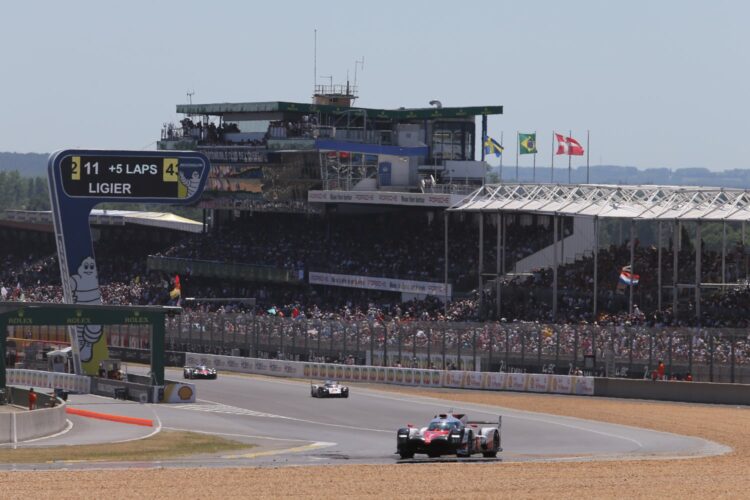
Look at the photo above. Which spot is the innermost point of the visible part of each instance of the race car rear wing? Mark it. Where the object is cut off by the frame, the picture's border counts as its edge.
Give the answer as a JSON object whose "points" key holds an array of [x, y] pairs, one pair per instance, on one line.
{"points": [[483, 422]]}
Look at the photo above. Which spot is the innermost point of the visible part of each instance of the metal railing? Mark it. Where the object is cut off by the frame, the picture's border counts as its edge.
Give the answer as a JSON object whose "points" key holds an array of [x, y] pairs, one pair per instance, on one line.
{"points": [[715, 355]]}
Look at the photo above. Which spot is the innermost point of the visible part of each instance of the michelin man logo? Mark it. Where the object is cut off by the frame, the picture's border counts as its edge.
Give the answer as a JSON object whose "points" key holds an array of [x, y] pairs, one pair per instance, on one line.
{"points": [[192, 184], [85, 288]]}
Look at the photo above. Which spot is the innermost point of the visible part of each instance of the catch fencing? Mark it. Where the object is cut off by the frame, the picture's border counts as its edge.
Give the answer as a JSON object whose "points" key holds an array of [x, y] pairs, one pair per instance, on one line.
{"points": [[708, 354]]}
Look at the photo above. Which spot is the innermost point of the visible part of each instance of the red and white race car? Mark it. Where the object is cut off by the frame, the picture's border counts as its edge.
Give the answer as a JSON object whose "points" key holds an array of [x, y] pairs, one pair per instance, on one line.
{"points": [[199, 371], [448, 434]]}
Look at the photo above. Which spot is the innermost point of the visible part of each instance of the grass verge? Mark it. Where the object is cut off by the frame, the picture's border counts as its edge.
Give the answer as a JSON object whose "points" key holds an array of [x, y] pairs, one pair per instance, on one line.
{"points": [[164, 445]]}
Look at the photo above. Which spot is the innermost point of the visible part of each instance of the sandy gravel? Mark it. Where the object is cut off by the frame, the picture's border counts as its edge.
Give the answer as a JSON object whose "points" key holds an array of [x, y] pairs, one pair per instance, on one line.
{"points": [[726, 476]]}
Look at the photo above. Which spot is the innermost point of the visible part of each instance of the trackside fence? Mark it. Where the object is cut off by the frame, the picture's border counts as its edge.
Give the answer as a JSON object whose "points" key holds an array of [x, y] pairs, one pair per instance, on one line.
{"points": [[708, 354], [525, 382]]}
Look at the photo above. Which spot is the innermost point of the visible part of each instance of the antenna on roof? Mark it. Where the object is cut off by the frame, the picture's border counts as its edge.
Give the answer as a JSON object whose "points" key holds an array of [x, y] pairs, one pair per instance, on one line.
{"points": [[315, 59], [190, 94], [358, 63]]}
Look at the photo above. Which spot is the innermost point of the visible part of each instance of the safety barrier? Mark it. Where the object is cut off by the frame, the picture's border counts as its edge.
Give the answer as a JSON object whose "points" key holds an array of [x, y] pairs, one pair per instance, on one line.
{"points": [[18, 426], [523, 382], [49, 380]]}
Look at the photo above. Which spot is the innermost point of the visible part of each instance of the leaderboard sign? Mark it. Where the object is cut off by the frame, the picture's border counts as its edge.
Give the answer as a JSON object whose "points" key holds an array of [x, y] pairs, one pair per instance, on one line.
{"points": [[81, 179], [130, 176]]}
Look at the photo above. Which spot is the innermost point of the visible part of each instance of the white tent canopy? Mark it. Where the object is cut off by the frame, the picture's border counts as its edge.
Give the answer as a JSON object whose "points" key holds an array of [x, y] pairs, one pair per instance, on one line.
{"points": [[611, 201]]}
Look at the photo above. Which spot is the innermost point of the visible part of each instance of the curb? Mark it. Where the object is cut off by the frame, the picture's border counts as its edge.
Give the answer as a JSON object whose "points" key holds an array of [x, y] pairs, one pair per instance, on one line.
{"points": [[113, 418]]}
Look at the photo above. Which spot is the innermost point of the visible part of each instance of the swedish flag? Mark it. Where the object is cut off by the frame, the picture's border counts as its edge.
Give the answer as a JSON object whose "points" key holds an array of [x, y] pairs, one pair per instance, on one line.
{"points": [[492, 146]]}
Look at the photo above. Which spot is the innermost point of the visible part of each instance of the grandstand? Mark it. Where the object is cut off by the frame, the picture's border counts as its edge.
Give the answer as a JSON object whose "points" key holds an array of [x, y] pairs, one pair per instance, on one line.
{"points": [[355, 216], [668, 206]]}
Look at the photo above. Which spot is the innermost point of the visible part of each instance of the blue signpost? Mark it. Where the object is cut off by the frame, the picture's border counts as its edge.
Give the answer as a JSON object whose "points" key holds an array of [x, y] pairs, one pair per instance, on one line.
{"points": [[81, 179]]}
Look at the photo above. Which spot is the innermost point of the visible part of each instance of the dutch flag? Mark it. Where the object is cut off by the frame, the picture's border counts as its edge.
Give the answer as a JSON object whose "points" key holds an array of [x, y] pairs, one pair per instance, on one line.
{"points": [[627, 277]]}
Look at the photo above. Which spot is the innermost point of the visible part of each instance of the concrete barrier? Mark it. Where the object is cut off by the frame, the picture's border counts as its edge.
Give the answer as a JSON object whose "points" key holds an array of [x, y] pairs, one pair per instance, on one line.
{"points": [[525, 382], [688, 392], [19, 426]]}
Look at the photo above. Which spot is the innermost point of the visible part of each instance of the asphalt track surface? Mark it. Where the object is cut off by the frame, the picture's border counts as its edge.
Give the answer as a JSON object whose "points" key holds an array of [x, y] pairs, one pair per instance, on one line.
{"points": [[291, 428]]}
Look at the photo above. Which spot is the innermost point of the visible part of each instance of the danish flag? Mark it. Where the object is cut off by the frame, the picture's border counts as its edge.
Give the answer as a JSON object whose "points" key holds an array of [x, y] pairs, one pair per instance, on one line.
{"points": [[568, 146]]}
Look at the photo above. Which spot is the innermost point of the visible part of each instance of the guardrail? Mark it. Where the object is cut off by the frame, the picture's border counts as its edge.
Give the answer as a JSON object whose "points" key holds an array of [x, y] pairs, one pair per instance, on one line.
{"points": [[18, 426], [49, 380], [524, 382]]}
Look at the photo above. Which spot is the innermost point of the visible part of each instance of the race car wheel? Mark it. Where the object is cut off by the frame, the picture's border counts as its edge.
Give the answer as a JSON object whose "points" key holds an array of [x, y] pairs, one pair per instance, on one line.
{"points": [[433, 455], [406, 454], [320, 392], [469, 444], [346, 395], [495, 446]]}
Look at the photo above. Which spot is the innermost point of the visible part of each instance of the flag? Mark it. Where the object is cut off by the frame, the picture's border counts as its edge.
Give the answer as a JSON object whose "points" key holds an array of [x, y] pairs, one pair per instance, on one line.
{"points": [[272, 311], [177, 290], [527, 144], [568, 146], [491, 146], [628, 278]]}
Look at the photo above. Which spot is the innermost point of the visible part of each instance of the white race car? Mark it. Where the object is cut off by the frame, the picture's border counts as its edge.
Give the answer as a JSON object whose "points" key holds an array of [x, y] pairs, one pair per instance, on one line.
{"points": [[329, 389]]}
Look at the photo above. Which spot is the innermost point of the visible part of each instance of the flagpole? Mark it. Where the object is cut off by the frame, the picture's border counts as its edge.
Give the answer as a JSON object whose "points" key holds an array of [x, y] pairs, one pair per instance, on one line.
{"points": [[552, 168], [570, 134], [517, 146], [588, 132], [484, 133], [533, 167], [501, 156]]}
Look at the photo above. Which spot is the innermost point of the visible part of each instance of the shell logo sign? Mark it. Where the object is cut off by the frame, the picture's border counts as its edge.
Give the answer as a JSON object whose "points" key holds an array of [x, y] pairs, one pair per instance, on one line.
{"points": [[185, 393], [176, 392]]}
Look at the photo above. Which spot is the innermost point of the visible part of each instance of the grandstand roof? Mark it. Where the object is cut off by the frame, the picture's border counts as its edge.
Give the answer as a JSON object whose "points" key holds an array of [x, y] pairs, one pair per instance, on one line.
{"points": [[113, 218], [612, 201], [299, 107]]}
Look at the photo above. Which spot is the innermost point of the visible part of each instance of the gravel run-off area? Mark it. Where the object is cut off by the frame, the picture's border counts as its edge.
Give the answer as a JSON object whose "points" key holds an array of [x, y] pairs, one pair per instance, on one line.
{"points": [[723, 476]]}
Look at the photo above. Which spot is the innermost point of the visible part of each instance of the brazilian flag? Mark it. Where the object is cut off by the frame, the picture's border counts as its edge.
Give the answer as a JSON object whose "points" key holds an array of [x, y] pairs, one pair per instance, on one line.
{"points": [[527, 144]]}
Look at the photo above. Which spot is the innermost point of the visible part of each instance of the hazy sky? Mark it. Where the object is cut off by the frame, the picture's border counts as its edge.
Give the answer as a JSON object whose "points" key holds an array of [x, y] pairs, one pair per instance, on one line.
{"points": [[658, 83]]}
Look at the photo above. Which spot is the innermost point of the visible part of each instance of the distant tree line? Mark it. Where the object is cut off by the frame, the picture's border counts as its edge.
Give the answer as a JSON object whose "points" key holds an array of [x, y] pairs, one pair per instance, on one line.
{"points": [[23, 193], [32, 193]]}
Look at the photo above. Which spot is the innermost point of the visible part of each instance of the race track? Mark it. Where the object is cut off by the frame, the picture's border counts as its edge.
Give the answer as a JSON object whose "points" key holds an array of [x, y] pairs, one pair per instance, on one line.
{"points": [[291, 428]]}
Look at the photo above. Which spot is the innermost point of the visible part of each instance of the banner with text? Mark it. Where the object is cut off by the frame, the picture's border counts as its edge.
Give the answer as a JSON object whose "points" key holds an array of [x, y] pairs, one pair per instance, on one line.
{"points": [[386, 284]]}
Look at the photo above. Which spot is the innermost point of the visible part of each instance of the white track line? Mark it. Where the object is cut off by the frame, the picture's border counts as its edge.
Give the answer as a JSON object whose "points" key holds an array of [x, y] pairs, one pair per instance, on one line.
{"points": [[342, 426], [68, 427]]}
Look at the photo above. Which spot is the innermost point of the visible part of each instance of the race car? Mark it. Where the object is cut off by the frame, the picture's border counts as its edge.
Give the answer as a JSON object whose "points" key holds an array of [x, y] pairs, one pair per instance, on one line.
{"points": [[329, 389], [199, 371], [448, 434]]}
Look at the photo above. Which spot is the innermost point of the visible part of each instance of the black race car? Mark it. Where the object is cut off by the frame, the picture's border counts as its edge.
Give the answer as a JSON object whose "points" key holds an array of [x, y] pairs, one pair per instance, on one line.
{"points": [[199, 371]]}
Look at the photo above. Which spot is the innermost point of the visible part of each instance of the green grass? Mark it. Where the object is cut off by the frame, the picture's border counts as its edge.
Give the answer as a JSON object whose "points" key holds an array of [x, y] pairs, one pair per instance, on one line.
{"points": [[164, 445]]}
